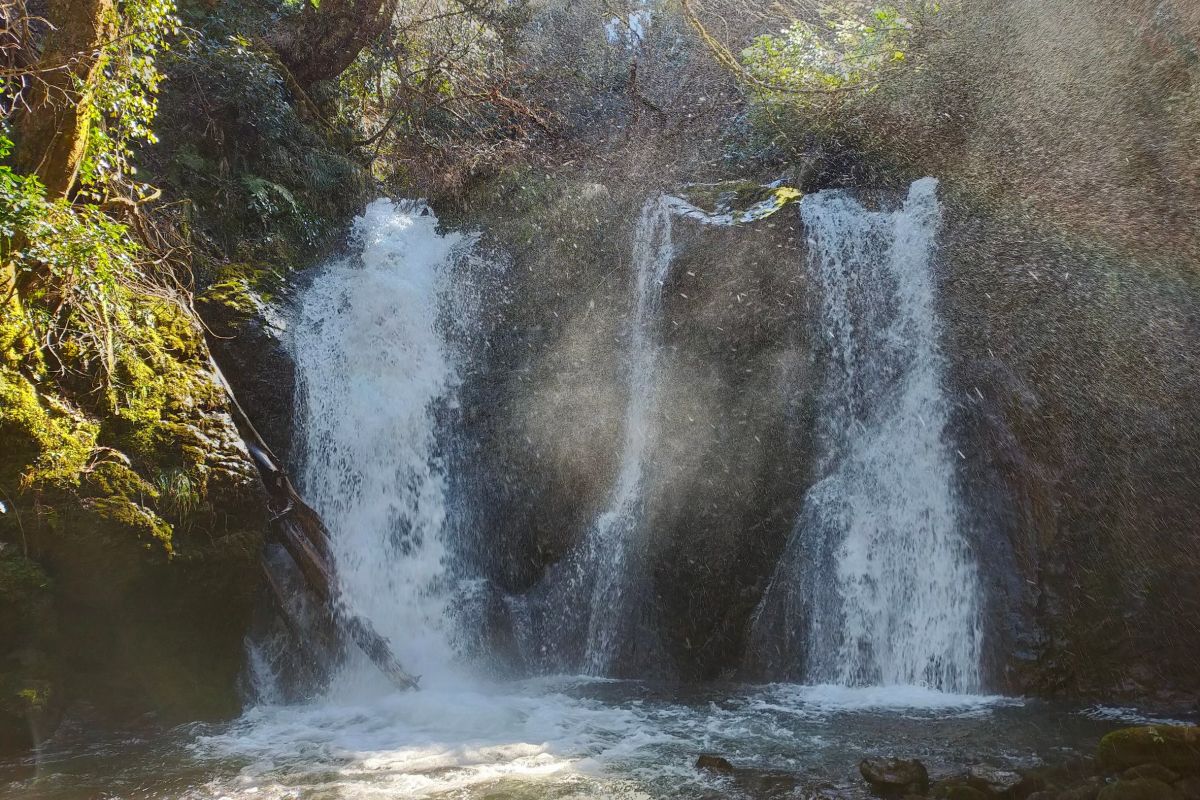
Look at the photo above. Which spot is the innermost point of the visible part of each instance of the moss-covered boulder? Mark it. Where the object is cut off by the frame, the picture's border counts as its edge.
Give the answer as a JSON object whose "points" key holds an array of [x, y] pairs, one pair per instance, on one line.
{"points": [[1150, 772], [1176, 747], [131, 524]]}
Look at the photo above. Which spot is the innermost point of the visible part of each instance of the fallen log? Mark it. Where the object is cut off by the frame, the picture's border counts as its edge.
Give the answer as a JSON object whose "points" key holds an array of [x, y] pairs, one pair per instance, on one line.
{"points": [[303, 535]]}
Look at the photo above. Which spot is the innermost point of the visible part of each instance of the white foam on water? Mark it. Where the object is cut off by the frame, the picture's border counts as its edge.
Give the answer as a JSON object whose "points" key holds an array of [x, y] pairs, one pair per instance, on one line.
{"points": [[427, 743], [1130, 715], [826, 699]]}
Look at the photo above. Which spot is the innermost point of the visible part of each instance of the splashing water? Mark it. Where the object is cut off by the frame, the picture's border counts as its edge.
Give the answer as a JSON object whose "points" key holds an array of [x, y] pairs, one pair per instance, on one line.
{"points": [[877, 587], [372, 371]]}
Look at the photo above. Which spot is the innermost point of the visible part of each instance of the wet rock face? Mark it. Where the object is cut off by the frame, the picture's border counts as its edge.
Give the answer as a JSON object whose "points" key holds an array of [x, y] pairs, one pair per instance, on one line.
{"points": [[544, 410], [247, 339], [1075, 421]]}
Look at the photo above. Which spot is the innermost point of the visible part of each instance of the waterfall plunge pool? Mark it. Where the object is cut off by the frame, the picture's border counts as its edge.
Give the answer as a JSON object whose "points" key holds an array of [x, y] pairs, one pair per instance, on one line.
{"points": [[559, 738]]}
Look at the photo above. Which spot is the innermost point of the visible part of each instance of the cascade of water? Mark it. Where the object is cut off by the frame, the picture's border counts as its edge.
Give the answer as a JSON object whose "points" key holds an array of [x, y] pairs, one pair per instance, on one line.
{"points": [[586, 612], [372, 370], [612, 540], [877, 586]]}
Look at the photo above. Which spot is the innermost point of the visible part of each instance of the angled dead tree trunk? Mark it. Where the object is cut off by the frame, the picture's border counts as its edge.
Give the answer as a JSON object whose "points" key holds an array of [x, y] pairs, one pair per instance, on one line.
{"points": [[327, 37], [303, 535], [52, 132]]}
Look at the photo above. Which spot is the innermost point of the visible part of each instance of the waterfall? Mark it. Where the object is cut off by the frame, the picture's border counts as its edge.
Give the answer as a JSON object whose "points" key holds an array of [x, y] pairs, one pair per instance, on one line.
{"points": [[588, 614], [613, 542], [373, 371], [877, 585]]}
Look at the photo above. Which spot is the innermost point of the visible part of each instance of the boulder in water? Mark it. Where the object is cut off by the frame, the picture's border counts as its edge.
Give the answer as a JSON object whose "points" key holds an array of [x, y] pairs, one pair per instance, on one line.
{"points": [[960, 791], [1002, 782], [1139, 789], [1176, 747], [893, 777], [712, 763]]}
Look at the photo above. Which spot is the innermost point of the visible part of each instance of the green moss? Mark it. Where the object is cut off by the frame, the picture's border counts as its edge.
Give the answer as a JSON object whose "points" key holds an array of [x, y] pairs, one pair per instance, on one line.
{"points": [[45, 443], [745, 201], [111, 478], [132, 517]]}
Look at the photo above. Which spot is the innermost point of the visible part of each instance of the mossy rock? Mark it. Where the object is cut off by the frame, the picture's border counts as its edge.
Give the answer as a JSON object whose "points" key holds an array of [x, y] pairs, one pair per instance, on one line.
{"points": [[1139, 789], [743, 201], [24, 592], [44, 443], [1175, 747], [239, 292], [128, 516]]}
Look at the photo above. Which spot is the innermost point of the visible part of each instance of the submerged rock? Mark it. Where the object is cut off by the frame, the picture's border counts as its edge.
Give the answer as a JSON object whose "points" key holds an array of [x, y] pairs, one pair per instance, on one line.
{"points": [[960, 791], [895, 776], [1003, 782], [1175, 747]]}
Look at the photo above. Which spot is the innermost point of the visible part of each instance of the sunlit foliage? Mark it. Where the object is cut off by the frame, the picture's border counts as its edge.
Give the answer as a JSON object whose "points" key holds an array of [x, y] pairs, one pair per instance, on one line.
{"points": [[123, 101], [849, 48]]}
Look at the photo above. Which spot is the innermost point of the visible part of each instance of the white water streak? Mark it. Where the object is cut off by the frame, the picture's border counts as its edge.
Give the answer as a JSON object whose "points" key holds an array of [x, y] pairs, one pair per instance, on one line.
{"points": [[892, 595], [613, 539]]}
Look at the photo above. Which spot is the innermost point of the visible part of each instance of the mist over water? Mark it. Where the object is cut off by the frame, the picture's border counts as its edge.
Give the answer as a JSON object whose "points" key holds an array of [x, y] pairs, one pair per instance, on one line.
{"points": [[877, 586]]}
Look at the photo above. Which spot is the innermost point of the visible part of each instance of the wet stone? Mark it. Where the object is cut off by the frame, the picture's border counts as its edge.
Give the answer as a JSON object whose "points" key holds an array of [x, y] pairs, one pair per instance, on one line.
{"points": [[1189, 787], [714, 763], [895, 777], [1176, 747]]}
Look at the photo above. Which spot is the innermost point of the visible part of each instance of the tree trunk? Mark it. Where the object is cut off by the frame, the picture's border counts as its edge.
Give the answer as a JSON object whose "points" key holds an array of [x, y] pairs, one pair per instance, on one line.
{"points": [[327, 37], [52, 132]]}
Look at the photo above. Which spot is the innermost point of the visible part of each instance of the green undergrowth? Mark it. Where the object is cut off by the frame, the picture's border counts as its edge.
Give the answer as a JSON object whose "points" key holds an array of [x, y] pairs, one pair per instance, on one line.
{"points": [[126, 497]]}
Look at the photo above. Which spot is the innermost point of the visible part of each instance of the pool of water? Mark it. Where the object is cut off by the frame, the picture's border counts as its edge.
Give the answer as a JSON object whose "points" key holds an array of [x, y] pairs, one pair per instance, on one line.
{"points": [[559, 738]]}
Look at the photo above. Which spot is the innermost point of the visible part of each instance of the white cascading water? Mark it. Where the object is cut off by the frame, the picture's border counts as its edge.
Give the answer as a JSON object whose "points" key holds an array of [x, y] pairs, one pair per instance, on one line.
{"points": [[612, 542], [376, 371], [372, 371], [877, 586]]}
